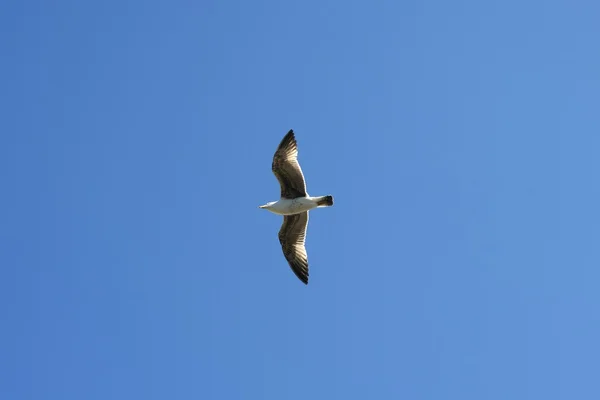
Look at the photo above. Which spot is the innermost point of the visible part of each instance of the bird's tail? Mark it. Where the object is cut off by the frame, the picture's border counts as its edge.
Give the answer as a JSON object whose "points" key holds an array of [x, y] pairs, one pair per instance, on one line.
{"points": [[324, 201]]}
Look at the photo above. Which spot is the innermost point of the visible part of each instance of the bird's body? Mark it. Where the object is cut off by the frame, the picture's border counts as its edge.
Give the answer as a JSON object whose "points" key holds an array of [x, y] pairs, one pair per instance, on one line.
{"points": [[294, 204]]}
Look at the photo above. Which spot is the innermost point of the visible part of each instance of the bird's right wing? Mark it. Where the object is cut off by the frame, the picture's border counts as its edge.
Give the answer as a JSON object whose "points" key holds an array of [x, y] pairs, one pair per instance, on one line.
{"points": [[292, 237]]}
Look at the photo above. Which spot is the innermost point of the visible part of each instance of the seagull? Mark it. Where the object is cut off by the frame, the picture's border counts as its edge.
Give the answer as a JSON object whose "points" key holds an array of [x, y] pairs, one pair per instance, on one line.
{"points": [[294, 205]]}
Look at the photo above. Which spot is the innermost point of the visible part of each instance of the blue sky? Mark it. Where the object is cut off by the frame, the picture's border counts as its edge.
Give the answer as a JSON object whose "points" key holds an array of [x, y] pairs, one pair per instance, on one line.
{"points": [[459, 139]]}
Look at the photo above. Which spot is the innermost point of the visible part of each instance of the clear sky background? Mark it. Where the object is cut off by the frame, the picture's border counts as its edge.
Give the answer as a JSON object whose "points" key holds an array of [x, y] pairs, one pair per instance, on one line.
{"points": [[461, 141]]}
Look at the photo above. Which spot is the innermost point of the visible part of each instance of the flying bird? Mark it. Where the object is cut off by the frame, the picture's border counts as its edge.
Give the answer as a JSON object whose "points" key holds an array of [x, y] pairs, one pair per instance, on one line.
{"points": [[294, 205]]}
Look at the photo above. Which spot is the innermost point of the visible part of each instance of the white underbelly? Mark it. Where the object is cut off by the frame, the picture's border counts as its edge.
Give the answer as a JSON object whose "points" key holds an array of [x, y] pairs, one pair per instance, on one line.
{"points": [[293, 206]]}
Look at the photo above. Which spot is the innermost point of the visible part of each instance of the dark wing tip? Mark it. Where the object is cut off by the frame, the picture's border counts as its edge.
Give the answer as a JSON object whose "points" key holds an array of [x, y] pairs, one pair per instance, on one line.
{"points": [[288, 140], [299, 268], [301, 275]]}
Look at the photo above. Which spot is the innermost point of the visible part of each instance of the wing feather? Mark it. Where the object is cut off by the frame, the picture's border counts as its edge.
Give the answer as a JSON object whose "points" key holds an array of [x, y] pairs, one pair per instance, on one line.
{"points": [[292, 237], [286, 168]]}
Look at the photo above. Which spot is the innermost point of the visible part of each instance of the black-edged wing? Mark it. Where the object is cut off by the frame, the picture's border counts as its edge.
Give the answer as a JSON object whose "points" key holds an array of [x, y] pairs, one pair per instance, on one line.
{"points": [[287, 170], [292, 236]]}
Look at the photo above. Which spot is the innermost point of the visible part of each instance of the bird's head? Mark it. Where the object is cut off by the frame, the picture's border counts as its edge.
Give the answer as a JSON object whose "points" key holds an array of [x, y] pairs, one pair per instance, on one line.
{"points": [[269, 204]]}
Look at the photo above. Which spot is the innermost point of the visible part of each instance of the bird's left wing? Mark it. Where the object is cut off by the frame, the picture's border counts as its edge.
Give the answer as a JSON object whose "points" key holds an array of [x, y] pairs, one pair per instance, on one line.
{"points": [[286, 168]]}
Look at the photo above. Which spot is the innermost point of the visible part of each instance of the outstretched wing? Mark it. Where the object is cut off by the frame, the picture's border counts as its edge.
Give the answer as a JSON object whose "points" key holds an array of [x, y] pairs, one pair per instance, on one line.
{"points": [[292, 236], [287, 170]]}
